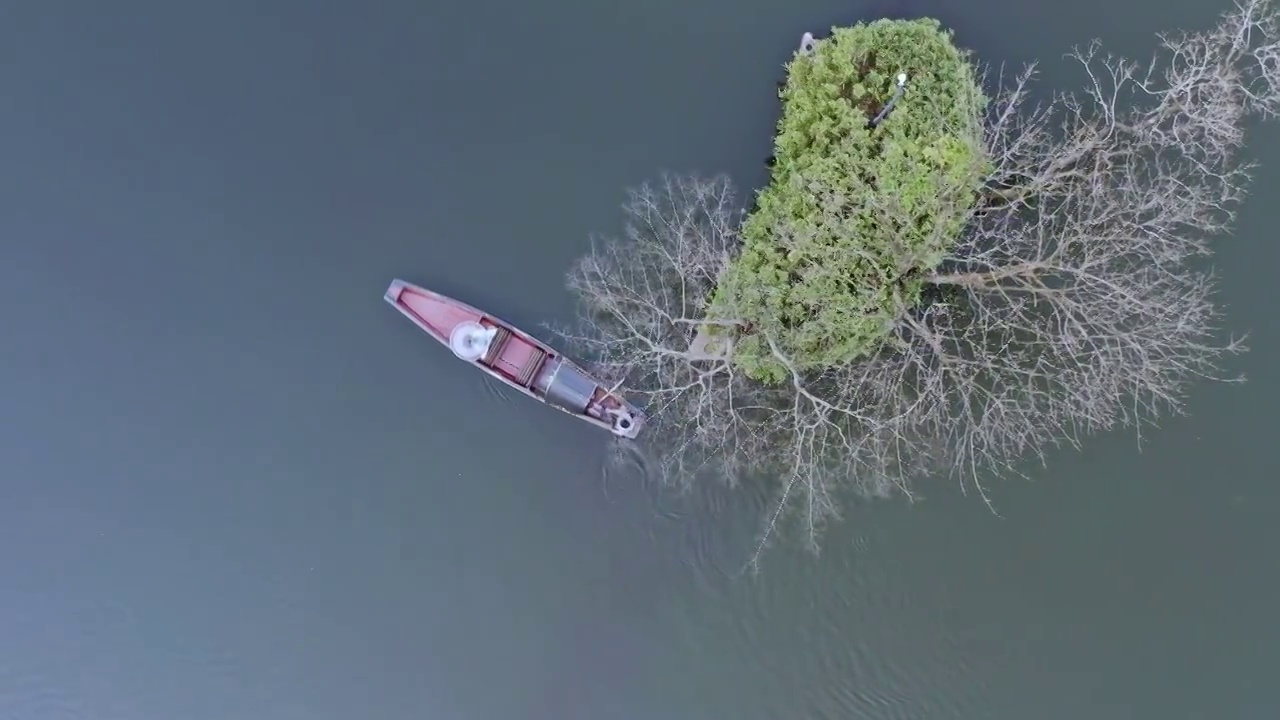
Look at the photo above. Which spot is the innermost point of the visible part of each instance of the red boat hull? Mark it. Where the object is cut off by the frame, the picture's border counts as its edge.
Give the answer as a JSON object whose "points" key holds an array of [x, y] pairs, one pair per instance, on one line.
{"points": [[515, 358]]}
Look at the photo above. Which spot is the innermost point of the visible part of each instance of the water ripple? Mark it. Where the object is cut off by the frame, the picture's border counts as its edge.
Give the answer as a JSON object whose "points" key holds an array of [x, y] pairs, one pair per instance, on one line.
{"points": [[497, 392]]}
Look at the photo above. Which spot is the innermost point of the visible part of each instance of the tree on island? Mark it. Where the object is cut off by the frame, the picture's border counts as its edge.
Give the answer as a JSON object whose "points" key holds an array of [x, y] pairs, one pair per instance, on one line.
{"points": [[980, 323], [855, 213]]}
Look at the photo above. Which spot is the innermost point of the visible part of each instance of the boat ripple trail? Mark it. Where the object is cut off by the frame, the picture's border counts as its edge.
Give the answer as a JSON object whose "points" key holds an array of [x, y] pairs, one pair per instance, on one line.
{"points": [[495, 390], [624, 461]]}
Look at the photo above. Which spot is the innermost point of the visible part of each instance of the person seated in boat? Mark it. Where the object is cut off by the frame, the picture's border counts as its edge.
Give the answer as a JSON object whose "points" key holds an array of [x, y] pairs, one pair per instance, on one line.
{"points": [[619, 416], [471, 340]]}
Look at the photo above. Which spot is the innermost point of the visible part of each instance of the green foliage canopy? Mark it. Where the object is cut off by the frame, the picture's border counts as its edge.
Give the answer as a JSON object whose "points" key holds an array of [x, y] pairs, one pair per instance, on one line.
{"points": [[853, 215]]}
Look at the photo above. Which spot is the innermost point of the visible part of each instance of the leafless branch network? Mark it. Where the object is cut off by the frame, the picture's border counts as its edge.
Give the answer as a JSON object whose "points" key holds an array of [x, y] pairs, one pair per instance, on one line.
{"points": [[1075, 301]]}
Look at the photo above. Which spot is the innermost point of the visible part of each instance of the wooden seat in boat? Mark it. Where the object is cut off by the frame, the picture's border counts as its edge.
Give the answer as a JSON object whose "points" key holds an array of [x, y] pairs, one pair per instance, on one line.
{"points": [[496, 345], [531, 366]]}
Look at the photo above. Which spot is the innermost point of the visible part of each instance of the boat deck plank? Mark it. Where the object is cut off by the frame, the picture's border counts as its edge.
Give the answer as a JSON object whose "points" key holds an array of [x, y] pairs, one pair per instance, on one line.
{"points": [[440, 317], [514, 355]]}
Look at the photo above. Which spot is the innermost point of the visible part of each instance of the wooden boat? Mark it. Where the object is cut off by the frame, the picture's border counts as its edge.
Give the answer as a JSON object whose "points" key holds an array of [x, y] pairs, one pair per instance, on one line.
{"points": [[515, 358]]}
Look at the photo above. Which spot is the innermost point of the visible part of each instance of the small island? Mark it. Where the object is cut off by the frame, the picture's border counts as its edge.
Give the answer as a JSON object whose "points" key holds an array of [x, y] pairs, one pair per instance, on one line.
{"points": [[937, 280]]}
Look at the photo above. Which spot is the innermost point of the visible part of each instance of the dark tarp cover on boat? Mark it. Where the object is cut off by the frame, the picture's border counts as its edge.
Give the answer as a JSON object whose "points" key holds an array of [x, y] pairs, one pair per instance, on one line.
{"points": [[570, 389]]}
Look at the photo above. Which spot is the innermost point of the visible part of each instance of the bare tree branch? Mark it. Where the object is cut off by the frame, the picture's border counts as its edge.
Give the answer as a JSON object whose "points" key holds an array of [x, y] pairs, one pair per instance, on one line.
{"points": [[1075, 301]]}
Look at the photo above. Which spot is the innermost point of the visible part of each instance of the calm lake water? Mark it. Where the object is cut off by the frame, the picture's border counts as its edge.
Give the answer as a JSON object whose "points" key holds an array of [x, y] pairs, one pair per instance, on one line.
{"points": [[235, 484]]}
